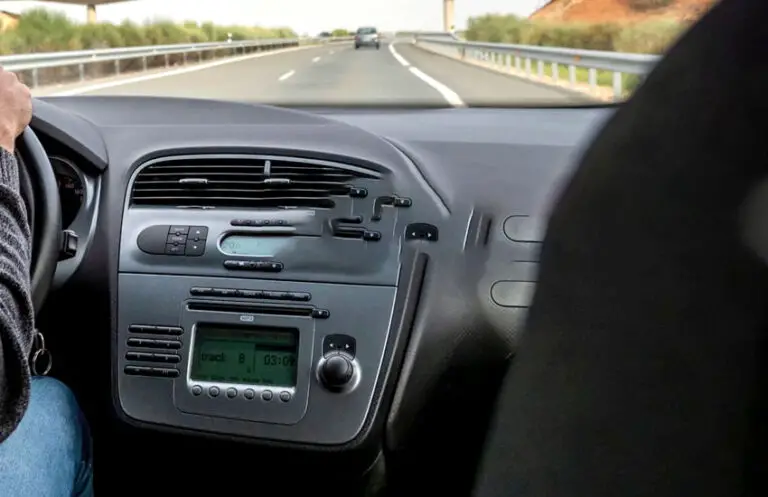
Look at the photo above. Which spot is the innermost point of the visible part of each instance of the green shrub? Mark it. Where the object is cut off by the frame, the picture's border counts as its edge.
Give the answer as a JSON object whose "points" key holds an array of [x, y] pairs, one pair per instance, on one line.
{"points": [[41, 30], [649, 37]]}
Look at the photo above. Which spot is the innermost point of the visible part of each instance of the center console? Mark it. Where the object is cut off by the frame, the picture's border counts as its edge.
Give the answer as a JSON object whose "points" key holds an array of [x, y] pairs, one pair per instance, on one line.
{"points": [[258, 296]]}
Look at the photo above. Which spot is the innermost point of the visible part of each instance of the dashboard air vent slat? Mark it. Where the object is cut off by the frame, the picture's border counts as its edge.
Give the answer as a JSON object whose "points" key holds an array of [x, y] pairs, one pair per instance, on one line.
{"points": [[253, 182]]}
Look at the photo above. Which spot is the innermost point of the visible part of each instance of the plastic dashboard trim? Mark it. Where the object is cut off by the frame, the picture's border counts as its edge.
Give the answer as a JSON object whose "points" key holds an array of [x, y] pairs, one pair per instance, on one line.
{"points": [[412, 276]]}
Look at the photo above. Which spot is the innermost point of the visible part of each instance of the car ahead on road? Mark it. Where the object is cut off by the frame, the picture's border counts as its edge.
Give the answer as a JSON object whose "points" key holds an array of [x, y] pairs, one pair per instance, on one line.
{"points": [[367, 37]]}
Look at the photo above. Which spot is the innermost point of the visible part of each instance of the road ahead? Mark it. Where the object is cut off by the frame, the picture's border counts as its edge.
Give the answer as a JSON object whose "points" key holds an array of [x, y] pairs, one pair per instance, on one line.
{"points": [[334, 75]]}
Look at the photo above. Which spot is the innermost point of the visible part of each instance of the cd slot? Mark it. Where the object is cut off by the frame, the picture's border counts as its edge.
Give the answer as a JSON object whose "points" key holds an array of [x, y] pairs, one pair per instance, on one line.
{"points": [[256, 308]]}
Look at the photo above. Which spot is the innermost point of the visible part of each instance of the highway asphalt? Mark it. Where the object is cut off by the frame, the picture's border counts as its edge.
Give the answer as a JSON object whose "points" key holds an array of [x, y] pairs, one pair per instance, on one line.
{"points": [[334, 75]]}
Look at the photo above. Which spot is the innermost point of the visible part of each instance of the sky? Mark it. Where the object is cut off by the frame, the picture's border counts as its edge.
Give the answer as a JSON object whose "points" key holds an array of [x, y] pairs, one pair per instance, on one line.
{"points": [[303, 16]]}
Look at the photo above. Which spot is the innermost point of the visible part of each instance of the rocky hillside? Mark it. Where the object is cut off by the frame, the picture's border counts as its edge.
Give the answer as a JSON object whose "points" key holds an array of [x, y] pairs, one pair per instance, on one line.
{"points": [[622, 11]]}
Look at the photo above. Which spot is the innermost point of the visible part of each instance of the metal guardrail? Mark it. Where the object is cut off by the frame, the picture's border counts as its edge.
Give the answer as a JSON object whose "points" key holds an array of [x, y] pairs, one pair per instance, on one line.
{"points": [[507, 56], [35, 61]]}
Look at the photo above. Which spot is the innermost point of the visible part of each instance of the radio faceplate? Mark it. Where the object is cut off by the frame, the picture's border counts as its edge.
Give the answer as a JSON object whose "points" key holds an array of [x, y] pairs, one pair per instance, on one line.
{"points": [[165, 323]]}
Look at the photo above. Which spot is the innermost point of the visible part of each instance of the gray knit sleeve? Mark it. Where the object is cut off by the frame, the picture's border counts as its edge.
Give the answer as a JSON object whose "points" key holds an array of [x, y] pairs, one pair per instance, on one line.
{"points": [[17, 315]]}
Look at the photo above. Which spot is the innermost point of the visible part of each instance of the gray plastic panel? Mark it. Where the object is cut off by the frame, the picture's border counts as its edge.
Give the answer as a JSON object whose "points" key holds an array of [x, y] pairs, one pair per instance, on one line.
{"points": [[314, 415]]}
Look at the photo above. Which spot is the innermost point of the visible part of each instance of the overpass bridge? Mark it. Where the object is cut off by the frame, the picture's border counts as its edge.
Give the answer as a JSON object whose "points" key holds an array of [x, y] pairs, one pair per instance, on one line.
{"points": [[90, 6]]}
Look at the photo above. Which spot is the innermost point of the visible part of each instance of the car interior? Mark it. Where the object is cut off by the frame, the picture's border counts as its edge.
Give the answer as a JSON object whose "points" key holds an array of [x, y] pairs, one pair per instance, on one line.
{"points": [[472, 301]]}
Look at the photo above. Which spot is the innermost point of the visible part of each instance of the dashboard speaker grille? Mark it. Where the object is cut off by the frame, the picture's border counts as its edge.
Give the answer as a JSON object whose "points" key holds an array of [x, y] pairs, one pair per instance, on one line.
{"points": [[255, 182]]}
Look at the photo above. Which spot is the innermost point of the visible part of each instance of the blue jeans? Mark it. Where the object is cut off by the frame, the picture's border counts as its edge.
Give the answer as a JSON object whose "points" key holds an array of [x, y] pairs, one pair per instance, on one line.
{"points": [[49, 453]]}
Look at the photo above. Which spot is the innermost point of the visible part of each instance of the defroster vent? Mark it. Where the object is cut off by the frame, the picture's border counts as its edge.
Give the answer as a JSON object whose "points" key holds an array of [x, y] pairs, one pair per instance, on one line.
{"points": [[247, 182]]}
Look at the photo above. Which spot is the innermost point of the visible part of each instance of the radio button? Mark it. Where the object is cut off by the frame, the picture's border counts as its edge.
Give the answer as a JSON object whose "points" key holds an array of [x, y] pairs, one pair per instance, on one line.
{"points": [[197, 390], [299, 296], [249, 394], [142, 328], [171, 249], [214, 391], [231, 393], [198, 233], [194, 248], [138, 356], [285, 396], [138, 370], [168, 344], [170, 358], [266, 395], [168, 330], [165, 372], [321, 313], [177, 239]]}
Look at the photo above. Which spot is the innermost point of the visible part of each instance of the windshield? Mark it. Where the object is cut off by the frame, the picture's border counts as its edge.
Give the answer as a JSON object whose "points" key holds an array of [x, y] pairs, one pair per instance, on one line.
{"points": [[425, 53]]}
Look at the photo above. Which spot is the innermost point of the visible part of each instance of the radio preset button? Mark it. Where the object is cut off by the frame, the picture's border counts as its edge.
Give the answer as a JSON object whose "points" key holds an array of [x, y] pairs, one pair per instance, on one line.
{"points": [[137, 370], [249, 394], [285, 396], [231, 393], [142, 328], [165, 372], [266, 395], [197, 390], [214, 391]]}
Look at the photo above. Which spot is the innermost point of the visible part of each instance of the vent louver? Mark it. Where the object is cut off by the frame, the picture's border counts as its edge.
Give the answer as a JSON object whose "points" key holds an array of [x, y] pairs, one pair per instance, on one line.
{"points": [[252, 182]]}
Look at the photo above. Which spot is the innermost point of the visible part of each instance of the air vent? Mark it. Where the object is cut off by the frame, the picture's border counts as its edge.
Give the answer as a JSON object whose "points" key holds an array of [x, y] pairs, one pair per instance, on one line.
{"points": [[251, 182]]}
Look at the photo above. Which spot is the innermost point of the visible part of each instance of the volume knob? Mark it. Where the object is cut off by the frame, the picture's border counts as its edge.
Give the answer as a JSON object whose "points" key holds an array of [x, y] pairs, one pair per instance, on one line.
{"points": [[336, 371]]}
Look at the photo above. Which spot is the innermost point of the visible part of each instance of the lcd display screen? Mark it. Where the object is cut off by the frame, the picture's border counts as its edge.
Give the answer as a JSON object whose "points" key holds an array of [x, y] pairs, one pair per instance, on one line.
{"points": [[254, 246], [245, 355]]}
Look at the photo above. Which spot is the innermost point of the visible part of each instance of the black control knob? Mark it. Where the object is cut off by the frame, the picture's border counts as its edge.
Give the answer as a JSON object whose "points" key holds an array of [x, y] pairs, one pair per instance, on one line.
{"points": [[336, 371]]}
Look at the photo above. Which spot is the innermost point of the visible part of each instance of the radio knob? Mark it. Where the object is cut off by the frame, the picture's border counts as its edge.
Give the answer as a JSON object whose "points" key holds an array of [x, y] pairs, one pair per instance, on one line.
{"points": [[336, 371]]}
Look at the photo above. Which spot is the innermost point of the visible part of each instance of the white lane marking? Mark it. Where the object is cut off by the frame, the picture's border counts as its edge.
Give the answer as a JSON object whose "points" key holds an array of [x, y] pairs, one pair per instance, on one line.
{"points": [[397, 56], [172, 72], [449, 95], [315, 59], [286, 75]]}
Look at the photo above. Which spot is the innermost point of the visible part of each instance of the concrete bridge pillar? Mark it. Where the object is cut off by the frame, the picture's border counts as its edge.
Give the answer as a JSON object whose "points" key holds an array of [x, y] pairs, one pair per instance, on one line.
{"points": [[448, 22], [91, 13]]}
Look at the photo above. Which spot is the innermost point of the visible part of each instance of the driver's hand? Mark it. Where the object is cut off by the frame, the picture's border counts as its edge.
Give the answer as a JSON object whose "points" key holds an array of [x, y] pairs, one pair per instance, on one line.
{"points": [[15, 108]]}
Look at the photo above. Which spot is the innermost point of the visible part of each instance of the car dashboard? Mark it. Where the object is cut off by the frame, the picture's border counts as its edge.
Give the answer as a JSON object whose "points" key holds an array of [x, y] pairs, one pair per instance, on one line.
{"points": [[331, 280]]}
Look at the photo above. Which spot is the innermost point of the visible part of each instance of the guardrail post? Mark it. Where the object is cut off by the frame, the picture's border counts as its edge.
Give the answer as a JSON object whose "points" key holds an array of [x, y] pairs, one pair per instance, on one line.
{"points": [[527, 66], [117, 66], [555, 72], [166, 60], [35, 78], [509, 63], [592, 77], [81, 71], [540, 68], [517, 62], [144, 63], [572, 74], [184, 58], [617, 86]]}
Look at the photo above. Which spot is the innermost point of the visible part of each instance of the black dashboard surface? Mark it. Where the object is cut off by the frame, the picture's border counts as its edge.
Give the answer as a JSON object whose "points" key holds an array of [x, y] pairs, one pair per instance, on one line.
{"points": [[484, 177]]}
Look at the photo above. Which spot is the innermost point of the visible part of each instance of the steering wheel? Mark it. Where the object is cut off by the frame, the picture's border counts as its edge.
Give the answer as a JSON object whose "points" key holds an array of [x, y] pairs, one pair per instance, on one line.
{"points": [[40, 192]]}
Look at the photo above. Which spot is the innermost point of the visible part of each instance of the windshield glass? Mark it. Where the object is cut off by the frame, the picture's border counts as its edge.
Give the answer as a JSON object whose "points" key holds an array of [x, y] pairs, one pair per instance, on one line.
{"points": [[425, 53]]}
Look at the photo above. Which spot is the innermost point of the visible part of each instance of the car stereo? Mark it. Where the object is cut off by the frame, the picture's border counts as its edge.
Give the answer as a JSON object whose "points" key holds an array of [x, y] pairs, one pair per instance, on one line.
{"points": [[265, 359]]}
